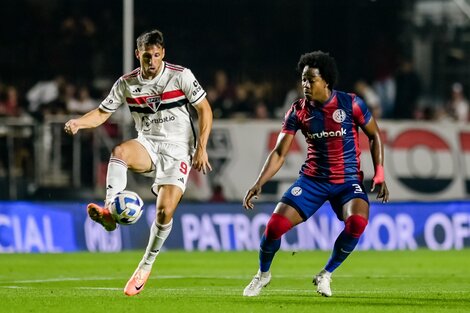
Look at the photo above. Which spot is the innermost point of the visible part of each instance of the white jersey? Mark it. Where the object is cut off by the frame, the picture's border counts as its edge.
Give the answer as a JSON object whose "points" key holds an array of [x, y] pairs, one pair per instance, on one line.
{"points": [[160, 106]]}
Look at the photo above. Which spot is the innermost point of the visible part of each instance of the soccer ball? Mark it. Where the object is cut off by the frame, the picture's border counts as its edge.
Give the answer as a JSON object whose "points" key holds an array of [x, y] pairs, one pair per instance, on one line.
{"points": [[126, 207]]}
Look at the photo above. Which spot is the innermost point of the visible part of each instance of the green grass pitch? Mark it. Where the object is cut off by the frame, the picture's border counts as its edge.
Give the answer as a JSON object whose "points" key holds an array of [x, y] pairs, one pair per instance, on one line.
{"points": [[369, 281]]}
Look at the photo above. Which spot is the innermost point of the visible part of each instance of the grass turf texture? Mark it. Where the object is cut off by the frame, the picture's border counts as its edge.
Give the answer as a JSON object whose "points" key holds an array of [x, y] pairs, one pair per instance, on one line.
{"points": [[369, 281]]}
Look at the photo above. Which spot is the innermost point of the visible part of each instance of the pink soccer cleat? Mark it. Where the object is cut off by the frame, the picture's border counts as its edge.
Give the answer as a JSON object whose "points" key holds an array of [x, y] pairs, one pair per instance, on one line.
{"points": [[136, 282], [101, 216]]}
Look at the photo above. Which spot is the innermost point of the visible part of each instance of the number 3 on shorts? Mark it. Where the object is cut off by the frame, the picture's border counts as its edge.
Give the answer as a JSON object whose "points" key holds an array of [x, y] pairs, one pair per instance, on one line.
{"points": [[183, 168], [357, 188]]}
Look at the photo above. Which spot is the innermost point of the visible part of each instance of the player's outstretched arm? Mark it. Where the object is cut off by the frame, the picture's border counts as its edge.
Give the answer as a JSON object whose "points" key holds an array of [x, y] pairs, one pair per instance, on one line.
{"points": [[92, 119], [377, 151], [201, 159], [273, 163]]}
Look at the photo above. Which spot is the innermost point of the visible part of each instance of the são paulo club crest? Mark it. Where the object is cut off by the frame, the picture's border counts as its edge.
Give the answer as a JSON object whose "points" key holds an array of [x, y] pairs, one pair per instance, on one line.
{"points": [[339, 116], [153, 102]]}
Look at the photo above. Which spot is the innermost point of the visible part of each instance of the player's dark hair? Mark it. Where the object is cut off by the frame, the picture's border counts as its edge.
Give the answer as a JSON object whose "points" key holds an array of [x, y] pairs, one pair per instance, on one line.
{"points": [[149, 38], [323, 62]]}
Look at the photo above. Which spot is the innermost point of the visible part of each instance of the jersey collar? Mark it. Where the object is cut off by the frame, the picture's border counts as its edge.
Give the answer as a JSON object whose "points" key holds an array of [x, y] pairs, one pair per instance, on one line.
{"points": [[317, 104], [155, 79]]}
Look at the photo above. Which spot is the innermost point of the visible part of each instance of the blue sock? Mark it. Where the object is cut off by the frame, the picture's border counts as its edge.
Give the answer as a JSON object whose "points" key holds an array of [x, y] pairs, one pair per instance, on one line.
{"points": [[268, 249], [343, 247]]}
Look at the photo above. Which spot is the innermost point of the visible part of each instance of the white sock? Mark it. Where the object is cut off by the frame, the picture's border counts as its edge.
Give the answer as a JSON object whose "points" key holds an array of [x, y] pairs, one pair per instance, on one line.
{"points": [[116, 177], [158, 235]]}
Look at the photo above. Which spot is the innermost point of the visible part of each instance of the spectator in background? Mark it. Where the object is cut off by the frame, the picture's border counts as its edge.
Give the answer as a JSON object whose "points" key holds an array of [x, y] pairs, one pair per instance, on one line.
{"points": [[261, 111], [260, 108], [370, 97], [221, 94], [381, 58], [243, 101], [293, 94], [458, 106], [408, 91], [22, 147], [251, 100], [43, 94], [82, 103], [9, 105]]}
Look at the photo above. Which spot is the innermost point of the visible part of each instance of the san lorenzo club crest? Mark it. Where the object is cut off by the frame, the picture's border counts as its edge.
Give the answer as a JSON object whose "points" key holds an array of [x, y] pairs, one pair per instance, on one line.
{"points": [[339, 116], [296, 191]]}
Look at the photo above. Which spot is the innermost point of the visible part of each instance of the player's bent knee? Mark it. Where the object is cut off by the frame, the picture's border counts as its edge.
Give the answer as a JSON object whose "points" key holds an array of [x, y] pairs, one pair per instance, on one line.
{"points": [[118, 152], [355, 225], [277, 226]]}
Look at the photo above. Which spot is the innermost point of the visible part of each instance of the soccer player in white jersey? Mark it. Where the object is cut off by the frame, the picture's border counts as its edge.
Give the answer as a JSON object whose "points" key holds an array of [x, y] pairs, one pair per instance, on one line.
{"points": [[158, 95]]}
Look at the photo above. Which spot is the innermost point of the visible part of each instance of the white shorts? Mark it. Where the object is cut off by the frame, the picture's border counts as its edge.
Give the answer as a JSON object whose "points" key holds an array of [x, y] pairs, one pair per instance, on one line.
{"points": [[172, 163]]}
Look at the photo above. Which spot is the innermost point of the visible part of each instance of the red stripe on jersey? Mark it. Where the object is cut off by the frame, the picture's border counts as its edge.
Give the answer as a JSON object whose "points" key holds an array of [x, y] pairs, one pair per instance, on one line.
{"points": [[165, 96], [134, 73], [138, 100], [174, 67], [357, 144], [335, 145], [358, 116], [172, 94], [357, 113], [465, 141]]}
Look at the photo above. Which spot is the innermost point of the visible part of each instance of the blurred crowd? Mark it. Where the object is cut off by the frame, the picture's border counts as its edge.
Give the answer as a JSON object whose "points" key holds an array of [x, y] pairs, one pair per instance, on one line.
{"points": [[400, 96], [397, 97]]}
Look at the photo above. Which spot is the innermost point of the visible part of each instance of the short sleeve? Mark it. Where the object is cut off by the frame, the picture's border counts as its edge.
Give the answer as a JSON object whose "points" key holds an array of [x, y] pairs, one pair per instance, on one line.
{"points": [[361, 113], [115, 98], [191, 87], [291, 121]]}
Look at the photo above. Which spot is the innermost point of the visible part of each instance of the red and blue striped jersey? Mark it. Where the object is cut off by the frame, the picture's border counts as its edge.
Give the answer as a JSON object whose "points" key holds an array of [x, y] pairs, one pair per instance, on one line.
{"points": [[331, 131]]}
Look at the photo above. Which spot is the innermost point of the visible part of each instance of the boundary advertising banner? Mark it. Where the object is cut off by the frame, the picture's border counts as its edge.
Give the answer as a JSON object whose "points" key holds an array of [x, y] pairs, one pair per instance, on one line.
{"points": [[64, 227]]}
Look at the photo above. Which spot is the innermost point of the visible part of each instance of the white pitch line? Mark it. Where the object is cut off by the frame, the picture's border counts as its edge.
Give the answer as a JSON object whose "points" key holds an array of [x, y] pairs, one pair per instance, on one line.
{"points": [[267, 291], [97, 288], [60, 279], [241, 277]]}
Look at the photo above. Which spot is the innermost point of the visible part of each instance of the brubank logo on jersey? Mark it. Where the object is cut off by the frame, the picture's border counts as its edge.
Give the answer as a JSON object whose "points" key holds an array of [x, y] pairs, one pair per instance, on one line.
{"points": [[325, 134], [147, 122]]}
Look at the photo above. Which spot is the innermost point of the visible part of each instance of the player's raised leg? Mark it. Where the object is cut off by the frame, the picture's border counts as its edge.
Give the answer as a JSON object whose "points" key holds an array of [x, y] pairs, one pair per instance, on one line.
{"points": [[355, 213], [167, 201], [129, 154]]}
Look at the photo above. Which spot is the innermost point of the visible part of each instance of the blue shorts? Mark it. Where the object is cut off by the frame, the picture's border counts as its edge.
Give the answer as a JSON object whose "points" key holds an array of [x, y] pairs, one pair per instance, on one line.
{"points": [[307, 195]]}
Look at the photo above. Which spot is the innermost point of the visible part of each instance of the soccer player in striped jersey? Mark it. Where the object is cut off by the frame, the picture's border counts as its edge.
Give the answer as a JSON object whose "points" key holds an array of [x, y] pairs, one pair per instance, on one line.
{"points": [[158, 95], [330, 121]]}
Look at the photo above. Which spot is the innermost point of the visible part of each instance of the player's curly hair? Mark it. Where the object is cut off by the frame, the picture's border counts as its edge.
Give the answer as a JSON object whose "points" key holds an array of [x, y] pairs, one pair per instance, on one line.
{"points": [[325, 63], [152, 37]]}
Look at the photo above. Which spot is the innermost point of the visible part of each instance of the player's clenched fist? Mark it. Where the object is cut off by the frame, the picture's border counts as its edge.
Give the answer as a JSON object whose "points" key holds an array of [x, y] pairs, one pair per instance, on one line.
{"points": [[71, 127]]}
